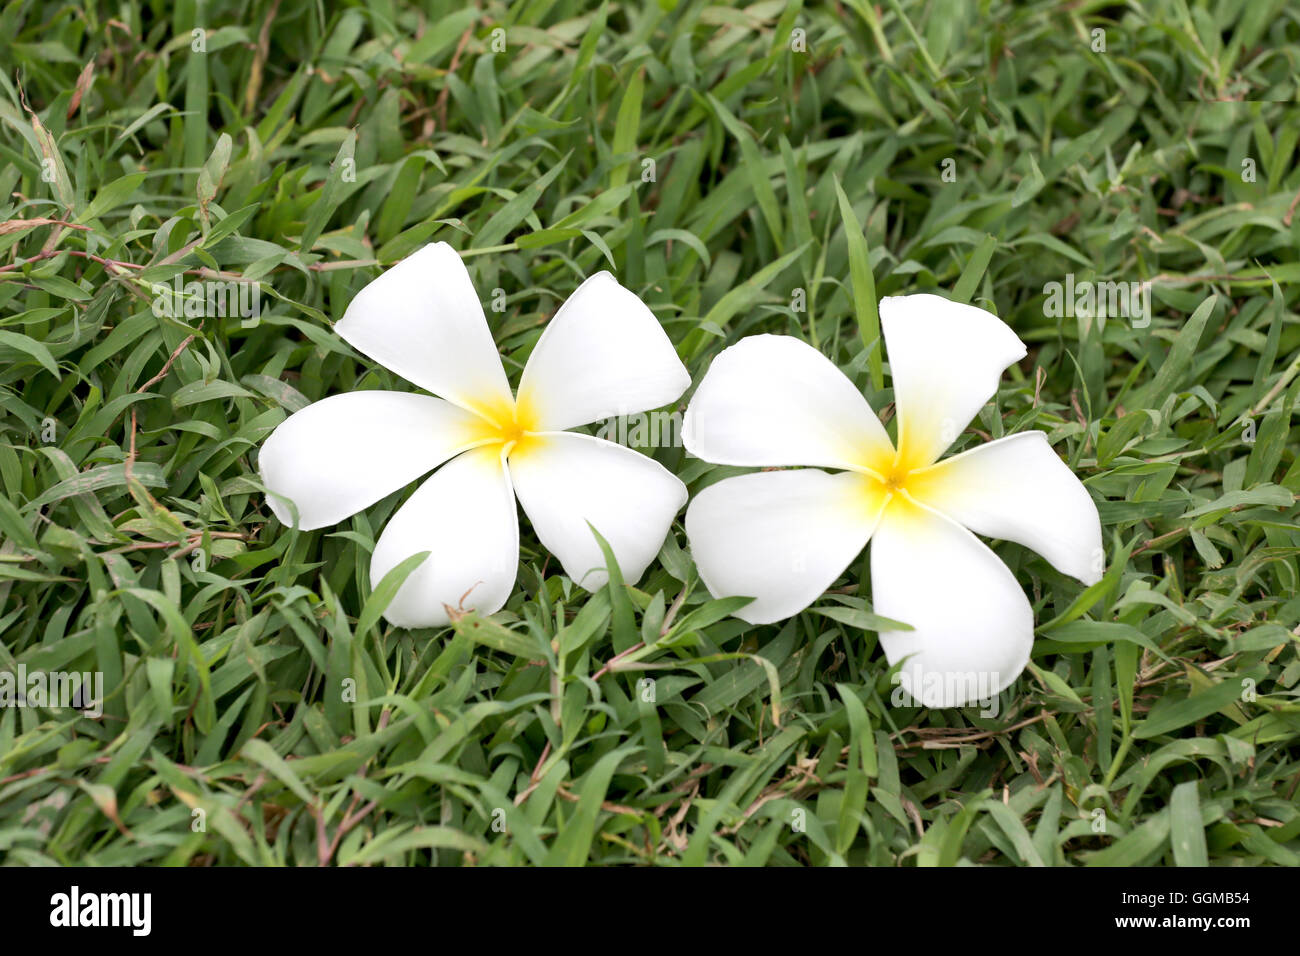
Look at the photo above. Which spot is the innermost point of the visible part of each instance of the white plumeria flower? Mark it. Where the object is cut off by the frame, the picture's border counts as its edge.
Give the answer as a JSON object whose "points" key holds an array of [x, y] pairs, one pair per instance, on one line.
{"points": [[603, 354], [782, 537]]}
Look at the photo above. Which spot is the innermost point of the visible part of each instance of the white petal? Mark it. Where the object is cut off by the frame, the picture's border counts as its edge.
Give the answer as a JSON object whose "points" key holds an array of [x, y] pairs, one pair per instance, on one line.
{"points": [[973, 627], [1017, 489], [775, 400], [423, 320], [465, 515], [602, 354], [780, 537], [945, 359], [343, 453], [565, 481]]}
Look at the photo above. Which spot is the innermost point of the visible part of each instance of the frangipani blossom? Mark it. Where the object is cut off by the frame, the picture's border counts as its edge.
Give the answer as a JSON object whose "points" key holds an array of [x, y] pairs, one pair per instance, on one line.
{"points": [[603, 354], [782, 537]]}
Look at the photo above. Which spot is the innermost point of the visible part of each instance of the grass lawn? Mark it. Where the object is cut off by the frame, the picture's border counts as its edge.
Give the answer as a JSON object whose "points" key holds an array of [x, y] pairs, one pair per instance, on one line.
{"points": [[772, 167]]}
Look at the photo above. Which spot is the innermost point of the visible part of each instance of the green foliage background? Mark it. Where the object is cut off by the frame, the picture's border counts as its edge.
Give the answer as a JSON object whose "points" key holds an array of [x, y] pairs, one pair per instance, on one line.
{"points": [[1161, 702]]}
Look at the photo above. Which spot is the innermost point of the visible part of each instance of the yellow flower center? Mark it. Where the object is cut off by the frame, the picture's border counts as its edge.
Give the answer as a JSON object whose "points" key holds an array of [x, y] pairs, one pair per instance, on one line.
{"points": [[892, 482], [513, 427], [512, 433], [896, 476]]}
